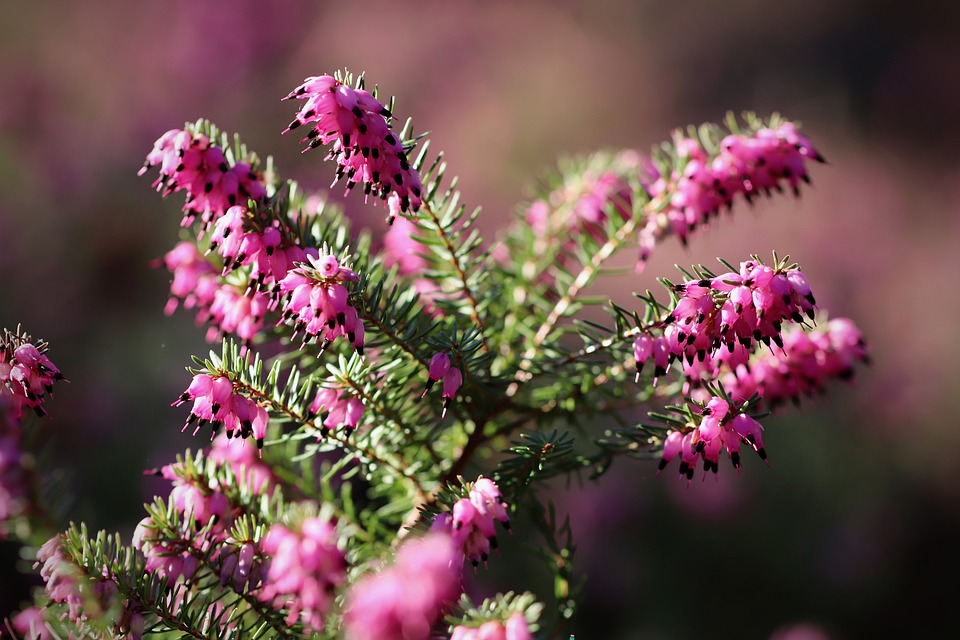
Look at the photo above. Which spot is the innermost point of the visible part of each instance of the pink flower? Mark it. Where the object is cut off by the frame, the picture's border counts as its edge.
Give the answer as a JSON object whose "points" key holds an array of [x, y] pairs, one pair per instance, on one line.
{"points": [[242, 240], [306, 567], [215, 400], [66, 582], [317, 302], [452, 380], [30, 624], [807, 361], [26, 374], [439, 366], [357, 126], [515, 628], [194, 278], [339, 409], [406, 600], [719, 429], [703, 184], [189, 162], [471, 522], [242, 459]]}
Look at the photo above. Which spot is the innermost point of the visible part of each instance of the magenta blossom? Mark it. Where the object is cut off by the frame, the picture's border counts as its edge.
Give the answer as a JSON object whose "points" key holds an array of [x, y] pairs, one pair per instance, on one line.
{"points": [[703, 184], [189, 162], [357, 127], [317, 302], [338, 408], [216, 401], [406, 600], [305, 569], [471, 522]]}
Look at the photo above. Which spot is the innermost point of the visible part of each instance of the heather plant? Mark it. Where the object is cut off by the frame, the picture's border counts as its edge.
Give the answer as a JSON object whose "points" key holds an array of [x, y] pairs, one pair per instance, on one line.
{"points": [[379, 417]]}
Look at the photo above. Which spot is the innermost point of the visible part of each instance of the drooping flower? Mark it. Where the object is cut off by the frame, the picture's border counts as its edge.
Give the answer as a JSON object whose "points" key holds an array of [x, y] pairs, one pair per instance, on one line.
{"points": [[317, 302], [690, 193], [26, 373], [439, 366], [306, 566], [241, 240], [452, 380], [339, 409], [406, 600], [216, 401], [65, 581], [471, 521], [188, 161], [720, 428], [357, 126], [516, 627], [804, 365]]}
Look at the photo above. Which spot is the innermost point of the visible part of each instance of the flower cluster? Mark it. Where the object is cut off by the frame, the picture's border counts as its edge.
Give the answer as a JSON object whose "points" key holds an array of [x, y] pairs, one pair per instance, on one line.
{"points": [[190, 162], [216, 401], [84, 595], [441, 368], [26, 373], [746, 164], [241, 241], [357, 126], [306, 567], [407, 599], [471, 521], [26, 379], [807, 361], [243, 462], [715, 315], [338, 409], [721, 427], [196, 502], [515, 628], [316, 299], [227, 307]]}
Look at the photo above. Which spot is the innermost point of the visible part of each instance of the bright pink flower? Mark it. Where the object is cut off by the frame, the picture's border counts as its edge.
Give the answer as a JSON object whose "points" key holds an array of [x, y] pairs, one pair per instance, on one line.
{"points": [[317, 302], [405, 600], [172, 558], [305, 569], [338, 408], [439, 366], [357, 126], [189, 162], [26, 374], [452, 380], [703, 184], [215, 400]]}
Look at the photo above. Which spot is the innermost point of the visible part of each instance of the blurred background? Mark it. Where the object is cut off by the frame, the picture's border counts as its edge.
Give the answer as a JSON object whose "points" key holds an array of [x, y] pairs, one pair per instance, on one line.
{"points": [[852, 533]]}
